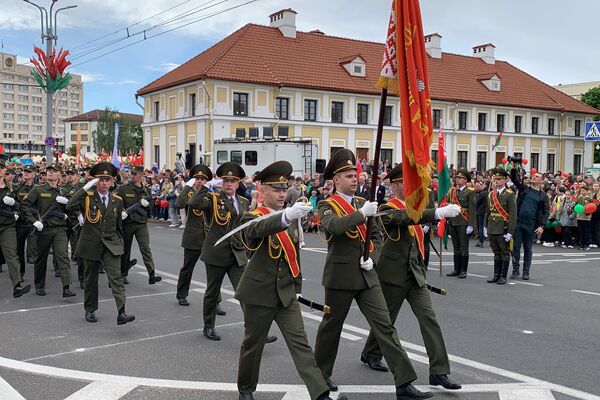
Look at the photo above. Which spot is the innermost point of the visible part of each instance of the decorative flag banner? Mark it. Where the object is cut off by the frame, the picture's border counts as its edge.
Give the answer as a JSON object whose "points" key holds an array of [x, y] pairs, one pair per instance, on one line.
{"points": [[404, 67], [49, 71], [115, 153], [78, 146], [498, 139], [444, 182]]}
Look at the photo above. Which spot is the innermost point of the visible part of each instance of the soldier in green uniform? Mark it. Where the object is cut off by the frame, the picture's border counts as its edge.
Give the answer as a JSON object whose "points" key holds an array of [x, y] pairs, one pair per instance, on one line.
{"points": [[136, 199], [194, 232], [401, 272], [101, 238], [347, 277], [270, 284], [461, 227], [222, 213], [8, 237], [24, 227], [44, 207], [500, 222]]}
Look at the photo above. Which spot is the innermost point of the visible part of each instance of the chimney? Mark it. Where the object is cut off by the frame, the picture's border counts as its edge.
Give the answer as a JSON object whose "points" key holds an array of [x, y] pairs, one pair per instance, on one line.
{"points": [[433, 45], [285, 20], [485, 52]]}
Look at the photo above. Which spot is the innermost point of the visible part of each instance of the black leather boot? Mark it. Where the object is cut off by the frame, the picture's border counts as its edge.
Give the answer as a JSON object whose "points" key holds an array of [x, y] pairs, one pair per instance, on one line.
{"points": [[464, 267], [505, 265], [123, 318], [457, 266], [497, 267]]}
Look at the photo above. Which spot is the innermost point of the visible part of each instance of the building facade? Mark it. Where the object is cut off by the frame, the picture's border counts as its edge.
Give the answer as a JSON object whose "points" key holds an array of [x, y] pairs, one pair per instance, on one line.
{"points": [[276, 81], [577, 90], [23, 109]]}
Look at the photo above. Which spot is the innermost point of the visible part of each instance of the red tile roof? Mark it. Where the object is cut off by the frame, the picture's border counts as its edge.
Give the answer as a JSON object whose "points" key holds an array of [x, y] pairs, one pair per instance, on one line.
{"points": [[95, 115], [262, 55]]}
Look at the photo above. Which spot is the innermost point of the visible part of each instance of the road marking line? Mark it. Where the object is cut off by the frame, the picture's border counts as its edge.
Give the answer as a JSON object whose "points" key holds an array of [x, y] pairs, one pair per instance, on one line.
{"points": [[102, 390], [171, 281], [8, 392], [586, 292], [526, 394], [528, 283]]}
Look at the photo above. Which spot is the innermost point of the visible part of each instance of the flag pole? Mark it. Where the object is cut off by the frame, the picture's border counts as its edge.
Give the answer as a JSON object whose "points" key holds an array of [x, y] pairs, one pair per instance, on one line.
{"points": [[375, 168], [441, 248]]}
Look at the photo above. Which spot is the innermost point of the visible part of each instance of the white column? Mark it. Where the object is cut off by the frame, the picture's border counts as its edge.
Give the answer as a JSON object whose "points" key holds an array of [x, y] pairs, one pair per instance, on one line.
{"points": [[324, 142], [148, 147], [163, 146], [181, 137], [492, 158], [473, 152], [544, 156], [351, 140]]}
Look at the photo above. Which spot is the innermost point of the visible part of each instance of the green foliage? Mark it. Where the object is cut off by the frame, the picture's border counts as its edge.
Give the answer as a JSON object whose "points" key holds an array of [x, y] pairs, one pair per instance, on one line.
{"points": [[72, 151], [130, 133], [592, 98]]}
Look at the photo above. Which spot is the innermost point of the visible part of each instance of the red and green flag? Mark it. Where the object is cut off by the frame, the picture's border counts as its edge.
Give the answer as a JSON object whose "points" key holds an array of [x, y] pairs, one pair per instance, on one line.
{"points": [[498, 140], [444, 181]]}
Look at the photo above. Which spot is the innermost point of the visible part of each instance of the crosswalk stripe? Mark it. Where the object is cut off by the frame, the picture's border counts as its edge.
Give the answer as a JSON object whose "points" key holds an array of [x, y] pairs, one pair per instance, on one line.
{"points": [[526, 394], [8, 392], [102, 390]]}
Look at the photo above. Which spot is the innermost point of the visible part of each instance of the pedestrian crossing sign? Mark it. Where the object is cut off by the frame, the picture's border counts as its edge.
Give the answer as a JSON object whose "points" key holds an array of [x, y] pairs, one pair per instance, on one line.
{"points": [[592, 131]]}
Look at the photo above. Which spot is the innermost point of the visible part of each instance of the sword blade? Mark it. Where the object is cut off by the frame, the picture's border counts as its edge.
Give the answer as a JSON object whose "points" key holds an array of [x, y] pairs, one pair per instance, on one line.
{"points": [[245, 225]]}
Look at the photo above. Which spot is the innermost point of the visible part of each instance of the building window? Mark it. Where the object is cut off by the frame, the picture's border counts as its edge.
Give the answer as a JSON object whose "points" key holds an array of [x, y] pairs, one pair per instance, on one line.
{"points": [[386, 155], [240, 106], [551, 126], [251, 157], [434, 157], [362, 114], [74, 127], [337, 112], [462, 159], [518, 155], [481, 160], [577, 164], [387, 116], [157, 152], [518, 122], [481, 121], [500, 122], [310, 110], [236, 157], [221, 157], [36, 99], [550, 162], [192, 104], [577, 127], [535, 125], [535, 160], [437, 117], [462, 120], [282, 105], [83, 126], [156, 112]]}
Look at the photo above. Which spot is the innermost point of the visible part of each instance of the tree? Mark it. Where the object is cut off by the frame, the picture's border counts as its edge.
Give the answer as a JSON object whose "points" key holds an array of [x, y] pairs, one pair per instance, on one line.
{"points": [[592, 98], [130, 133]]}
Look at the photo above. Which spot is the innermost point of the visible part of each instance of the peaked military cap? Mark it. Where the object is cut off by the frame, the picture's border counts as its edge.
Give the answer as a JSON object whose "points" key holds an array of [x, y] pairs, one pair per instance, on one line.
{"points": [[463, 173], [499, 172], [72, 170], [104, 170], [395, 174], [275, 175], [138, 169], [341, 160], [11, 171], [201, 171], [54, 166], [230, 170], [28, 168]]}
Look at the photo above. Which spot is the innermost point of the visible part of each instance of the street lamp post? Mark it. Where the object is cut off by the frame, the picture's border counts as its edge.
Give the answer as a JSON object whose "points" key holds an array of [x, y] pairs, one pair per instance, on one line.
{"points": [[49, 36], [29, 145]]}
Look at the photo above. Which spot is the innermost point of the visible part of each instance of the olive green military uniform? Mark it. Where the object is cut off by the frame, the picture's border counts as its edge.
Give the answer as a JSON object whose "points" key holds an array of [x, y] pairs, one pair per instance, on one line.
{"points": [[8, 235], [193, 234], [466, 198], [429, 233], [497, 226], [41, 201], [344, 281], [24, 229], [100, 243], [229, 257], [135, 225], [267, 292]]}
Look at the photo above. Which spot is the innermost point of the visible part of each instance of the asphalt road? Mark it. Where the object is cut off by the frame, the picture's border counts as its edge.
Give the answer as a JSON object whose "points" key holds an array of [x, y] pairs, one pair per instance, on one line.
{"points": [[525, 340]]}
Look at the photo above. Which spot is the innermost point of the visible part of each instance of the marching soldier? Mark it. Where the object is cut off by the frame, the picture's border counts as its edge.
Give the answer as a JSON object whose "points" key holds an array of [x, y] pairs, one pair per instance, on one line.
{"points": [[461, 227], [270, 284], [23, 227], [347, 277], [500, 222], [135, 197], [194, 232], [101, 238], [401, 272], [48, 202], [8, 237]]}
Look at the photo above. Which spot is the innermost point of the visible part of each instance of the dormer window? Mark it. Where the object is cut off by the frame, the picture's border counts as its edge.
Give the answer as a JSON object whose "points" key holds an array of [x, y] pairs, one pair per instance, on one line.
{"points": [[491, 81], [358, 69], [354, 65]]}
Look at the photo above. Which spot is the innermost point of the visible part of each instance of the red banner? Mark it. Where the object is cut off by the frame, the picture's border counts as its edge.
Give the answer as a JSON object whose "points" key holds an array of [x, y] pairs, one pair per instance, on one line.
{"points": [[289, 250]]}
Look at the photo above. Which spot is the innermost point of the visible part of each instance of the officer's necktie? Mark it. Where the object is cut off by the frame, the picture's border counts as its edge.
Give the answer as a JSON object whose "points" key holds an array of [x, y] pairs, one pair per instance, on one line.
{"points": [[104, 201]]}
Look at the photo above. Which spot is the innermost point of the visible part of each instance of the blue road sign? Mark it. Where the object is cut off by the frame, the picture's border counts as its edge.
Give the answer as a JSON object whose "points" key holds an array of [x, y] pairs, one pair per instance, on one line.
{"points": [[592, 131]]}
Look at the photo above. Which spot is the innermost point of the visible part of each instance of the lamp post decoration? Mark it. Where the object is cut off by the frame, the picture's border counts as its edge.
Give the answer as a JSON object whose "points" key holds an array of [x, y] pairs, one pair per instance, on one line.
{"points": [[50, 71]]}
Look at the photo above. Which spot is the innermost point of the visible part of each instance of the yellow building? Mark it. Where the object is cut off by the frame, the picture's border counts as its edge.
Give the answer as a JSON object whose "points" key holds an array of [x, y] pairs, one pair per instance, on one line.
{"points": [[308, 84]]}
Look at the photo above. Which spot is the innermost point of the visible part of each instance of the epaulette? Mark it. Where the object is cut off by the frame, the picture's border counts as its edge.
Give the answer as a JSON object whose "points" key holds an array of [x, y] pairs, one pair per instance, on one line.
{"points": [[509, 191], [256, 213], [470, 188], [117, 196], [90, 192]]}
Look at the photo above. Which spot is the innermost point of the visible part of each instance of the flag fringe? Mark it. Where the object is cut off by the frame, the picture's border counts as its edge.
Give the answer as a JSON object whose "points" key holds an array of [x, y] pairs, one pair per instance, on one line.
{"points": [[385, 82]]}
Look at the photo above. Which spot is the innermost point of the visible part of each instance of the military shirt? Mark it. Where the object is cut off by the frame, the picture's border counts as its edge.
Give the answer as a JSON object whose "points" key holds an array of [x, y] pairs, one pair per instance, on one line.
{"points": [[7, 213], [195, 230], [40, 205], [494, 221], [131, 195], [467, 199]]}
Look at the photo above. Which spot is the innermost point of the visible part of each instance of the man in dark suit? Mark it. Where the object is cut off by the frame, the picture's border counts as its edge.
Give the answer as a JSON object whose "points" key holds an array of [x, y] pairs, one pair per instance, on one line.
{"points": [[362, 189]]}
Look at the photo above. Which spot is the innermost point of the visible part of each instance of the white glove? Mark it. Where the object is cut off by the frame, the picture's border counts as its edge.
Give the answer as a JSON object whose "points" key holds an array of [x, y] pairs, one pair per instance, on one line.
{"points": [[9, 201], [507, 237], [366, 265], [144, 203], [62, 200], [124, 215], [38, 225], [190, 182], [298, 210], [469, 229], [369, 209], [66, 217], [80, 219], [90, 184], [16, 217], [449, 211], [485, 232], [425, 229], [298, 295]]}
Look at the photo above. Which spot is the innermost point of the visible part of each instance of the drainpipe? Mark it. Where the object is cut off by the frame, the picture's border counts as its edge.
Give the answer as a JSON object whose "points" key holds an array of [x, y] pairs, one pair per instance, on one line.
{"points": [[138, 102]]}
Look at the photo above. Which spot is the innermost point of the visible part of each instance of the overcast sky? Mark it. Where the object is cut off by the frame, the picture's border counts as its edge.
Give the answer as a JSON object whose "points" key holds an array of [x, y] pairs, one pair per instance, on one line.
{"points": [[552, 40]]}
